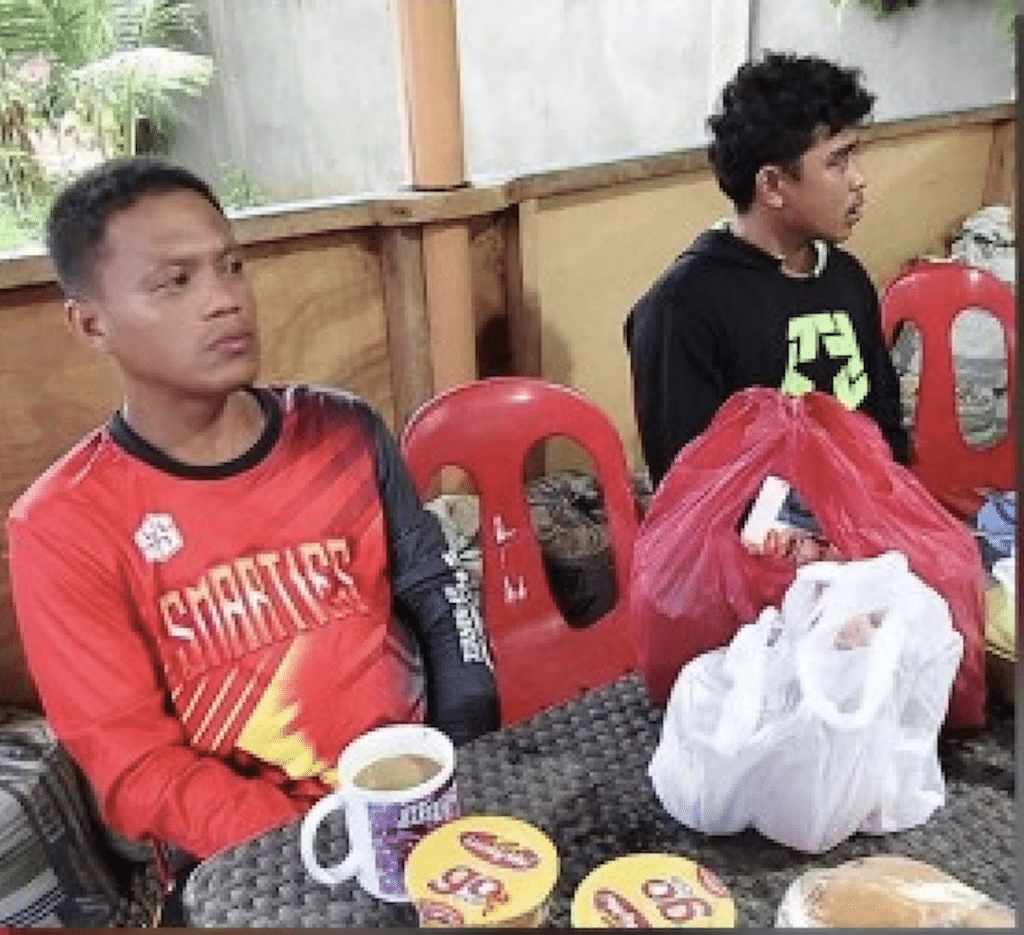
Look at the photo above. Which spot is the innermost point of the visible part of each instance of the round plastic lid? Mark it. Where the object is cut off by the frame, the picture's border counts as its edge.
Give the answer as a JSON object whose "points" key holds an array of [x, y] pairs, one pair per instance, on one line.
{"points": [[887, 891], [482, 870], [652, 890]]}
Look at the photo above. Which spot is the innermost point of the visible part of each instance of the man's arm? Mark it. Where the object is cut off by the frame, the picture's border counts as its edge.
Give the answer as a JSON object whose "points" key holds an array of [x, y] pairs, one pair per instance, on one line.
{"points": [[678, 383], [461, 692], [887, 410], [883, 402], [97, 676]]}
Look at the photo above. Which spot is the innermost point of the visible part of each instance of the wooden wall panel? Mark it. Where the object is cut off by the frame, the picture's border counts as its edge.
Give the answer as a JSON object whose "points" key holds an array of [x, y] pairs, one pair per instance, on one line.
{"points": [[412, 369], [487, 239], [919, 189], [53, 390], [1001, 181], [406, 314], [592, 253], [322, 317]]}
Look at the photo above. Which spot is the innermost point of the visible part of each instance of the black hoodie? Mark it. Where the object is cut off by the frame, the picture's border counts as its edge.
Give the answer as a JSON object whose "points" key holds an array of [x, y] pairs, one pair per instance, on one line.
{"points": [[724, 317]]}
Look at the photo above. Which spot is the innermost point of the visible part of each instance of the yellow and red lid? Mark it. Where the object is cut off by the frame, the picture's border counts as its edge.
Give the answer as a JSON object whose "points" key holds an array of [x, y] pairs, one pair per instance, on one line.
{"points": [[652, 890], [482, 870]]}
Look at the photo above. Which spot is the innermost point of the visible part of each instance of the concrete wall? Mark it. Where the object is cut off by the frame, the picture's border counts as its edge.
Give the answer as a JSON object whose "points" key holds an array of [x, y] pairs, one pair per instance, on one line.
{"points": [[555, 83], [307, 93], [939, 57], [552, 83], [305, 97]]}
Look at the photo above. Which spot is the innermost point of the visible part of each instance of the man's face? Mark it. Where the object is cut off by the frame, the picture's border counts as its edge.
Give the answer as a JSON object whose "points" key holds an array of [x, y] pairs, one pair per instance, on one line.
{"points": [[171, 302], [826, 198]]}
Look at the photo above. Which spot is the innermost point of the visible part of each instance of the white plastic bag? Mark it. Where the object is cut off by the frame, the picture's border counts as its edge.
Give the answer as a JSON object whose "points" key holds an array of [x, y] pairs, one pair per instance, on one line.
{"points": [[986, 239], [819, 719]]}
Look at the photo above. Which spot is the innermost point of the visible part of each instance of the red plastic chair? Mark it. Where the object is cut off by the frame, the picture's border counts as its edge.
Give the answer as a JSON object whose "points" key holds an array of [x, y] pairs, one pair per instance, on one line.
{"points": [[930, 295], [488, 428]]}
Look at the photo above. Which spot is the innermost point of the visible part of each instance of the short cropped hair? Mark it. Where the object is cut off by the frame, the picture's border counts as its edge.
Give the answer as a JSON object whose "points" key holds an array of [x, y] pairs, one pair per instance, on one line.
{"points": [[771, 112], [78, 219]]}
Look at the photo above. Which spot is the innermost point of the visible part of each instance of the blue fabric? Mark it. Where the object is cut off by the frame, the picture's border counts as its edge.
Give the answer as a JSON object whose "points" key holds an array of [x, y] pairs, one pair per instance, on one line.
{"points": [[996, 525]]}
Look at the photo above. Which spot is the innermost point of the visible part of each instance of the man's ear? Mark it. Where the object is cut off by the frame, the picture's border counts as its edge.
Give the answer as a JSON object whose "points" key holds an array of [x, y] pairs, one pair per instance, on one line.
{"points": [[768, 186], [84, 319]]}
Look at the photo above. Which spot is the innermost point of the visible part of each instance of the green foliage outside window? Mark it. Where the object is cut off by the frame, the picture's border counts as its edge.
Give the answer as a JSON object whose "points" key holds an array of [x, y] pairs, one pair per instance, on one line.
{"points": [[83, 80], [881, 7], [1006, 9]]}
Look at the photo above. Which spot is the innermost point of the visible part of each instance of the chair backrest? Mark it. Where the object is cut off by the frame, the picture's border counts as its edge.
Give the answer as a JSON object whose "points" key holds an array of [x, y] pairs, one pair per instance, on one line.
{"points": [[488, 428], [930, 295]]}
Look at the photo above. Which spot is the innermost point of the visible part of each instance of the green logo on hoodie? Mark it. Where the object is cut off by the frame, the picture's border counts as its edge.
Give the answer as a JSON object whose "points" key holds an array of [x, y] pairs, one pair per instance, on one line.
{"points": [[823, 355]]}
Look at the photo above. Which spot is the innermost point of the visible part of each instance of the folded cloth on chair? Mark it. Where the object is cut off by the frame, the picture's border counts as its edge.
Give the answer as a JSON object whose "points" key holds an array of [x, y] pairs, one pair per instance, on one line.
{"points": [[996, 525], [52, 869]]}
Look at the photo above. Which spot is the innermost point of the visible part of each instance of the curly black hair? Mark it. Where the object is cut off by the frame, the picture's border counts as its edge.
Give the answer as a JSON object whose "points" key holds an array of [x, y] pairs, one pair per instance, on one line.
{"points": [[770, 114], [78, 218]]}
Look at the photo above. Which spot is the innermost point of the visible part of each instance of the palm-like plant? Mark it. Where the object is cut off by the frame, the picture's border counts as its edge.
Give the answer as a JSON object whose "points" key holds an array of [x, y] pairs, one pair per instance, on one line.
{"points": [[110, 63], [140, 80], [116, 93], [66, 32], [1005, 9], [19, 174]]}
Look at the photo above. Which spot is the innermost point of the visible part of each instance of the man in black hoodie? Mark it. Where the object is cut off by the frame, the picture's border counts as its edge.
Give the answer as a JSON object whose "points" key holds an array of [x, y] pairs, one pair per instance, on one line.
{"points": [[766, 298]]}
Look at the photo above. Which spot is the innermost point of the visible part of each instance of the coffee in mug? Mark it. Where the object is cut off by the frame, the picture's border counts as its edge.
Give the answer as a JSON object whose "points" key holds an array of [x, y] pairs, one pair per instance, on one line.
{"points": [[393, 773], [395, 784]]}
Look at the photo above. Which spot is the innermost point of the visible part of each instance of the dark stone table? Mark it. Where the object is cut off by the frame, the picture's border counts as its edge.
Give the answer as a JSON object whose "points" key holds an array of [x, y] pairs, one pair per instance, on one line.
{"points": [[579, 772]]}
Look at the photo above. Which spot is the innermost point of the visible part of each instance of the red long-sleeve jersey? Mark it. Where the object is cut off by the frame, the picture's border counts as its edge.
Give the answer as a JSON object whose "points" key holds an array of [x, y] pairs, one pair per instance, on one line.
{"points": [[206, 640]]}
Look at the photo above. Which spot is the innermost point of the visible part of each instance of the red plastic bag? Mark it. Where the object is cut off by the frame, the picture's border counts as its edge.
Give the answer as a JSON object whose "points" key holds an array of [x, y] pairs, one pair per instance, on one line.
{"points": [[694, 584]]}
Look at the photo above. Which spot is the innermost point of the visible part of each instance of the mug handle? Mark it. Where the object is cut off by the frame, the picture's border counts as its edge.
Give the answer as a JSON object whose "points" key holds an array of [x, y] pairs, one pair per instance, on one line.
{"points": [[349, 867]]}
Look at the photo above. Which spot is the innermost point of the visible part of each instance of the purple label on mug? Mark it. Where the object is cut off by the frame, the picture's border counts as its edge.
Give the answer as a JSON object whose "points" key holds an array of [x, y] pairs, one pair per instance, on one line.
{"points": [[395, 828]]}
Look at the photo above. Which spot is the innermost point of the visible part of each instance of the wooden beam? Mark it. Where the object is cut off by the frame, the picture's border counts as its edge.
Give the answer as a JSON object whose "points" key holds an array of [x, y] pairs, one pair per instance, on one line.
{"points": [[522, 289], [405, 308], [1001, 177], [414, 208], [29, 268]]}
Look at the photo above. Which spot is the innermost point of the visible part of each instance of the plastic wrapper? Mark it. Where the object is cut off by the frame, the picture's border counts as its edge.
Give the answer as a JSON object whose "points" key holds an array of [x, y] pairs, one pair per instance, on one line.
{"points": [[693, 582], [887, 891]]}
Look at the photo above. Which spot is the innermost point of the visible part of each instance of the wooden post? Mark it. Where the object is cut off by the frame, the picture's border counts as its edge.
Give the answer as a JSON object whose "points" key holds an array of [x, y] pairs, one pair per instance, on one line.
{"points": [[521, 293], [429, 54], [430, 67], [1001, 173], [405, 306]]}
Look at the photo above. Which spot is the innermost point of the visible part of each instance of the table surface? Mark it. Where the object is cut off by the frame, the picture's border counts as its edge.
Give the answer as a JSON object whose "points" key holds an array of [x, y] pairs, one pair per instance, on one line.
{"points": [[579, 772]]}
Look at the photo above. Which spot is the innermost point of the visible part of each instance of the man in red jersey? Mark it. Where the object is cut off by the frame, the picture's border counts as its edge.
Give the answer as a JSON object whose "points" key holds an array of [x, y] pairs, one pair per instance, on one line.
{"points": [[226, 583]]}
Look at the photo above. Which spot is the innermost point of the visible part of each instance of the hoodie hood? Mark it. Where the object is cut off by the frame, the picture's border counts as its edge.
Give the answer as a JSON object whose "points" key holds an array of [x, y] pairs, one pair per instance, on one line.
{"points": [[721, 244]]}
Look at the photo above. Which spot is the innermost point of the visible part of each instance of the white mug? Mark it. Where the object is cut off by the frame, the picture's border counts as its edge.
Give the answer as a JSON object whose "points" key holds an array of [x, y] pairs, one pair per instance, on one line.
{"points": [[384, 824]]}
